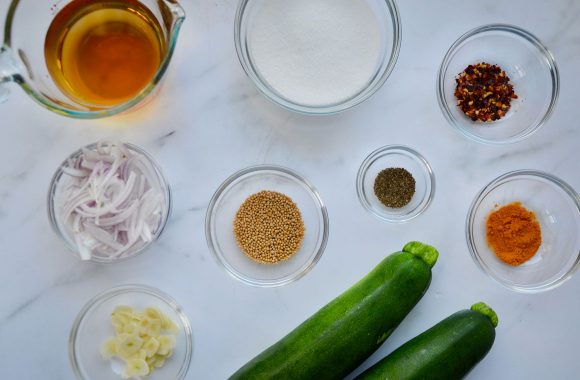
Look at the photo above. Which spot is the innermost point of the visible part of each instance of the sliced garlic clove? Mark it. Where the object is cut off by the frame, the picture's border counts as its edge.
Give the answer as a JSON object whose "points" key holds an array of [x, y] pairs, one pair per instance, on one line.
{"points": [[135, 368], [109, 348], [127, 345], [151, 347], [166, 344]]}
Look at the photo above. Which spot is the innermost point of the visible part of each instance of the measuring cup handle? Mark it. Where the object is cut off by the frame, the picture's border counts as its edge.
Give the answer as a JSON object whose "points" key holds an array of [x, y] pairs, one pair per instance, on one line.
{"points": [[8, 71]]}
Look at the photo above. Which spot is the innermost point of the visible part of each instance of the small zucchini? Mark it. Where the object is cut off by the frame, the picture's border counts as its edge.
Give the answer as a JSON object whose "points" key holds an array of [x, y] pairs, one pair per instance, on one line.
{"points": [[341, 335], [447, 351]]}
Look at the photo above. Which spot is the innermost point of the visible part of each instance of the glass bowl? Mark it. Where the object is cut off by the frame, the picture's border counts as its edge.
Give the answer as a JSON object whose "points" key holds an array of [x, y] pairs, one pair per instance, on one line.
{"points": [[55, 200], [395, 156], [226, 202], [389, 32], [557, 208], [530, 67], [93, 326]]}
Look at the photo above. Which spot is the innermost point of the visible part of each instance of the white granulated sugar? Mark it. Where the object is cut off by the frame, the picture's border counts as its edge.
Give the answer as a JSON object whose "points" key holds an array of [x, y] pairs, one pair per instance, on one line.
{"points": [[316, 52]]}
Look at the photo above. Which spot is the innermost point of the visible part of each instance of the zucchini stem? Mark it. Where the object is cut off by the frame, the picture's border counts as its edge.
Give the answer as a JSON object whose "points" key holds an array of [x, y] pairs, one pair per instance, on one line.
{"points": [[482, 308], [425, 252]]}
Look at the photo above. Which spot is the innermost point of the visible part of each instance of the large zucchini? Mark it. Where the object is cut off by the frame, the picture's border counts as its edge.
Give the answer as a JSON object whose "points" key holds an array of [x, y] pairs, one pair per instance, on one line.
{"points": [[341, 335], [447, 351]]}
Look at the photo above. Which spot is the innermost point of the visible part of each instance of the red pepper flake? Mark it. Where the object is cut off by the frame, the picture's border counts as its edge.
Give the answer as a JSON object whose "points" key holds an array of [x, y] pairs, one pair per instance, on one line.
{"points": [[483, 92]]}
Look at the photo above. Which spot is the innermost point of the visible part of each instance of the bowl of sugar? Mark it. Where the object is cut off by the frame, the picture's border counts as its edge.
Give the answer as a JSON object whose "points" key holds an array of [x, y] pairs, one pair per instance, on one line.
{"points": [[318, 56]]}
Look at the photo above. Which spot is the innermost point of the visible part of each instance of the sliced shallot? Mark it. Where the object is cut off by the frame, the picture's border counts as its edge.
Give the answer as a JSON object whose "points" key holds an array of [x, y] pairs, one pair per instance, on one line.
{"points": [[112, 203]]}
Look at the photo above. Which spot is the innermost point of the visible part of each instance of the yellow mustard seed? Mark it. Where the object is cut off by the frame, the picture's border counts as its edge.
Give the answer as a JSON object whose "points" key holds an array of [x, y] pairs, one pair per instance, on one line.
{"points": [[268, 227]]}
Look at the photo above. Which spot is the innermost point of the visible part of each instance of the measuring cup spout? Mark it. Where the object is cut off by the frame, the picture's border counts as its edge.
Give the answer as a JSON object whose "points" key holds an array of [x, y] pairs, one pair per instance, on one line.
{"points": [[176, 10], [8, 71]]}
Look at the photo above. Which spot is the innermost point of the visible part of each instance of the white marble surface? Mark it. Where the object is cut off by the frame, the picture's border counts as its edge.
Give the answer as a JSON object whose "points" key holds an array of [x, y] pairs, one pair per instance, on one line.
{"points": [[209, 121]]}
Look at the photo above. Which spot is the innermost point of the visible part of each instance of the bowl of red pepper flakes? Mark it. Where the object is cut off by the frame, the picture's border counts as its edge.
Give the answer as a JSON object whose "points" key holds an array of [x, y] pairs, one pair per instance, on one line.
{"points": [[498, 84]]}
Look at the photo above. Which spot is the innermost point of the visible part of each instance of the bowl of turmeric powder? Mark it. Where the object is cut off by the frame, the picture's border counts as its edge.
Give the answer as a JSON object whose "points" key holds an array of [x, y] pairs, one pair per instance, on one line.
{"points": [[522, 230]]}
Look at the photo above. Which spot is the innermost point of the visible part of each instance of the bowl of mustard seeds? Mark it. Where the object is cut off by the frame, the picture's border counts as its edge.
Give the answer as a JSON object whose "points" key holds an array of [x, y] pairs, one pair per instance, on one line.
{"points": [[267, 226]]}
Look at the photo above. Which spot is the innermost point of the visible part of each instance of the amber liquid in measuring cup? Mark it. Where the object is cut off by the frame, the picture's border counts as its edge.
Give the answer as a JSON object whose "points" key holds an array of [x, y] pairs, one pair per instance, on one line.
{"points": [[103, 53]]}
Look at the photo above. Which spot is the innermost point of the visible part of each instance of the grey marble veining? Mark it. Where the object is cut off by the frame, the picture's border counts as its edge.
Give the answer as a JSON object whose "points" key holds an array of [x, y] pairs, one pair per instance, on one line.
{"points": [[209, 121]]}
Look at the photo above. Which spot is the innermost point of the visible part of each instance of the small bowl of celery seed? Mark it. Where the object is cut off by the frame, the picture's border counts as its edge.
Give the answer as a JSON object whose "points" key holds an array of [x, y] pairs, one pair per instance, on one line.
{"points": [[395, 183]]}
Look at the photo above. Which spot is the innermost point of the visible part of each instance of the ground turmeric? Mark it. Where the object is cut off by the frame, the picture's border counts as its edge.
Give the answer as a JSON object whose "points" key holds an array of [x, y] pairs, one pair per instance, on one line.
{"points": [[513, 233]]}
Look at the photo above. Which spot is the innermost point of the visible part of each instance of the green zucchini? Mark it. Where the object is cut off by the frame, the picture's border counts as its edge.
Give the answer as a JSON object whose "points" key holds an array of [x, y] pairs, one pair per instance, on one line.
{"points": [[341, 335], [447, 351]]}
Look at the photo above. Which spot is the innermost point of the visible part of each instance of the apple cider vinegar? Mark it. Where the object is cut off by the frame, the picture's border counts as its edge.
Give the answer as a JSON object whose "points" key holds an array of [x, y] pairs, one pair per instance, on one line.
{"points": [[103, 53]]}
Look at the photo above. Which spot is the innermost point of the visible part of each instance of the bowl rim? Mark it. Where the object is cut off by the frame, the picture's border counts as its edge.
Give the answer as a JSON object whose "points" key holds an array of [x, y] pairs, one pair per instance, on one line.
{"points": [[522, 34], [404, 150], [226, 185], [53, 215], [470, 219], [362, 96], [128, 288]]}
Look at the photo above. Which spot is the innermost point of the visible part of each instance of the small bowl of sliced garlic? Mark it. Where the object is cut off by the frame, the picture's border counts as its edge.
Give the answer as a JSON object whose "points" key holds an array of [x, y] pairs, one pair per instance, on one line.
{"points": [[131, 332], [109, 201]]}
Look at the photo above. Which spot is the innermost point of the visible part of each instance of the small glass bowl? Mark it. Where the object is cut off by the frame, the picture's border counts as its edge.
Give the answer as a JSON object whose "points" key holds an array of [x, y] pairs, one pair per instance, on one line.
{"points": [[390, 31], [226, 202], [557, 208], [395, 156], [530, 67], [54, 200], [93, 327]]}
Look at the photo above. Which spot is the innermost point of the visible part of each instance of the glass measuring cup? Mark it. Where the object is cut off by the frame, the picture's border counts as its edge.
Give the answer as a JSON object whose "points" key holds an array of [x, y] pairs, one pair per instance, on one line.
{"points": [[22, 58]]}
